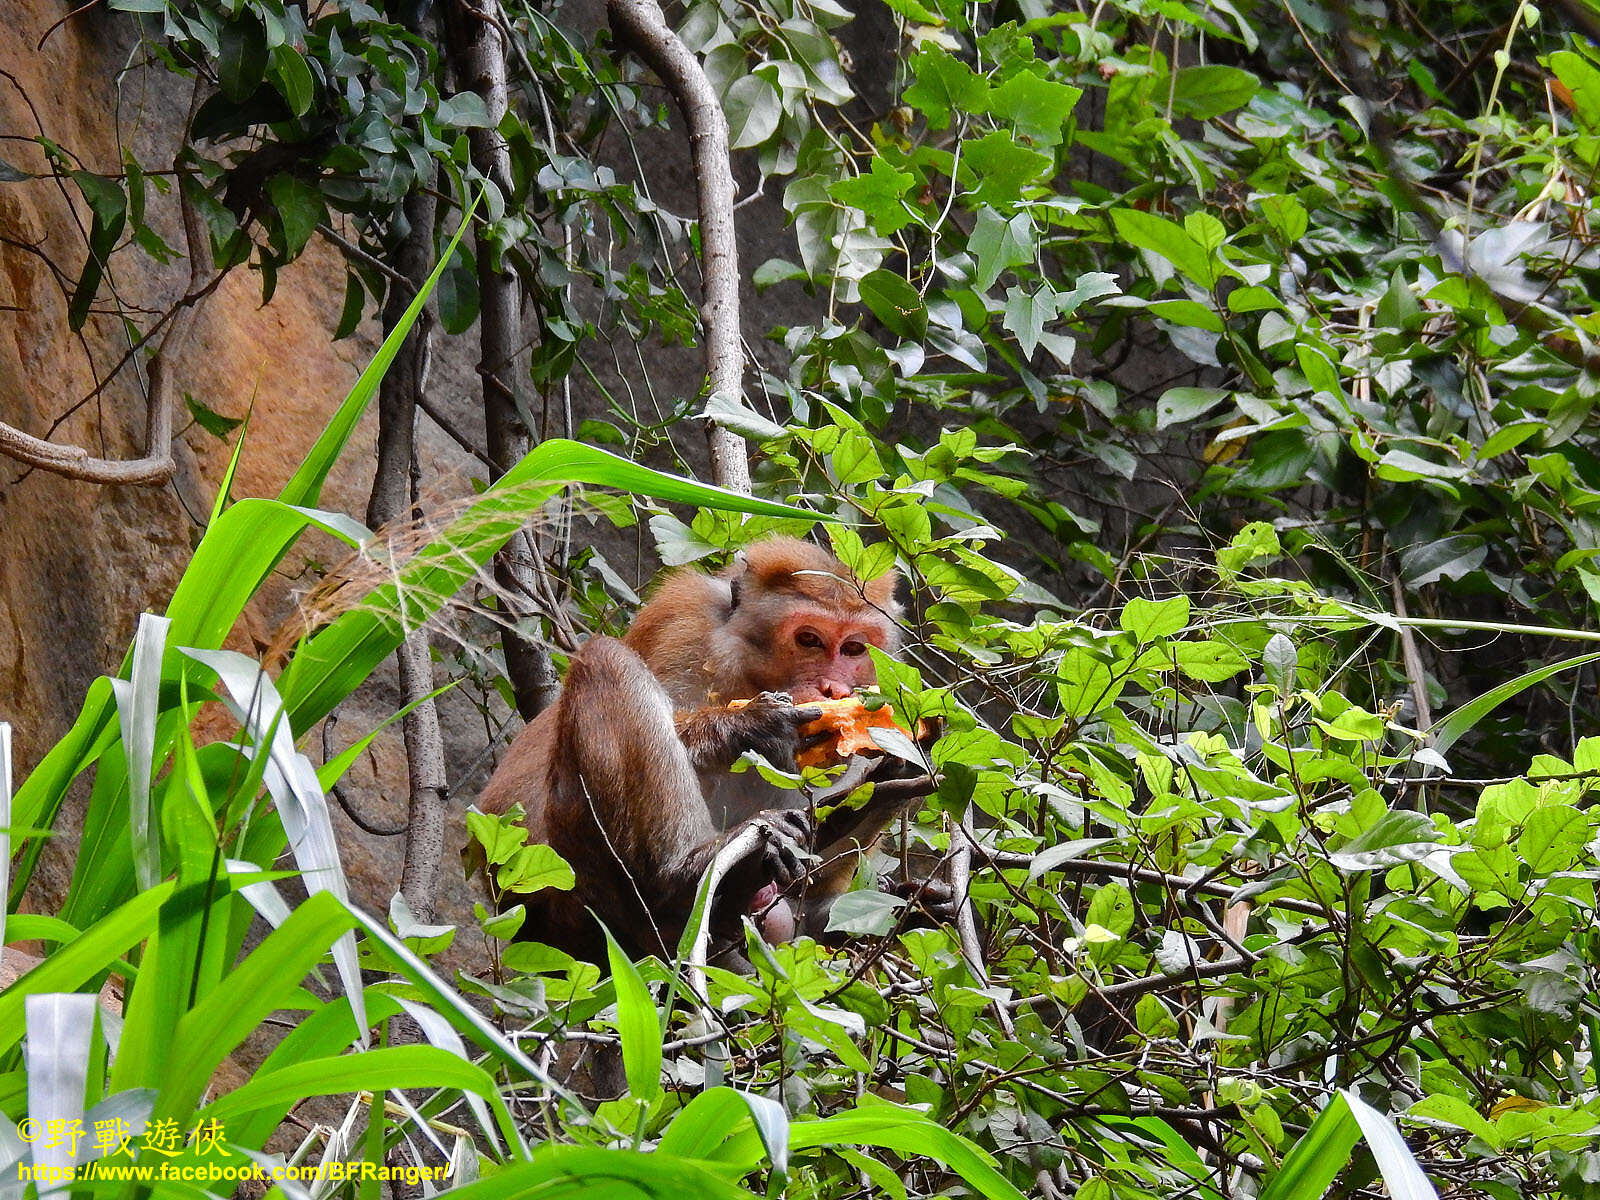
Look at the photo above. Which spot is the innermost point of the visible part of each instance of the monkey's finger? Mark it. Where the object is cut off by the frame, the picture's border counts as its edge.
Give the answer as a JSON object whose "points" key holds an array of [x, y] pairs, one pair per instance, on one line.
{"points": [[793, 824], [812, 740]]}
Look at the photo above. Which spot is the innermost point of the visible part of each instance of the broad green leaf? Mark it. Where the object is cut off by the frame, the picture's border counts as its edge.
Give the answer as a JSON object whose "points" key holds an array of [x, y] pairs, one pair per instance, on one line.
{"points": [[1167, 239], [880, 194], [1582, 78], [999, 244], [1038, 108], [753, 107], [896, 303], [1553, 839], [944, 83], [1149, 620], [1182, 404], [637, 1022], [1209, 91]]}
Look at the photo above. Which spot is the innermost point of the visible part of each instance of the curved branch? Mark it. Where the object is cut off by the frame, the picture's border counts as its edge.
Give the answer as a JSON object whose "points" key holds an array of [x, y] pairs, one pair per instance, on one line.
{"points": [[641, 26], [157, 464]]}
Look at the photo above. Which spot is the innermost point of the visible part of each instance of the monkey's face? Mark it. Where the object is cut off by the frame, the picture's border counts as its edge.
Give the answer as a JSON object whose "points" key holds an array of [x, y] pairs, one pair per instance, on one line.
{"points": [[823, 657]]}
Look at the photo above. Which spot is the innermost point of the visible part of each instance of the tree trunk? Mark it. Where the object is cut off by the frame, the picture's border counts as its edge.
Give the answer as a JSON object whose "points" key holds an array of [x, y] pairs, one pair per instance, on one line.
{"points": [[479, 52]]}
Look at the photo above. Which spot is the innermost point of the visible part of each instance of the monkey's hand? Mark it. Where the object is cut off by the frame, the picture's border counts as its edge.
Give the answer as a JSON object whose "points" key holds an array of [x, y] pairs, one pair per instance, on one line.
{"points": [[768, 724], [774, 864]]}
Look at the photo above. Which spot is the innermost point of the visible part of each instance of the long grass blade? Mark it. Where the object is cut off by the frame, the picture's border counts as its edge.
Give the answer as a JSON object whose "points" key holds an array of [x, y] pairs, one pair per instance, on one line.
{"points": [[138, 706], [257, 987], [305, 487], [1314, 1162], [93, 951], [1398, 1166], [1446, 732], [301, 804], [60, 1030], [442, 1034], [343, 654]]}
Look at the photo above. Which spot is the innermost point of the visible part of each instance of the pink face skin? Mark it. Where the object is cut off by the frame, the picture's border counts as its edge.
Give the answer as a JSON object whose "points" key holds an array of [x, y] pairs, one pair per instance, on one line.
{"points": [[827, 657]]}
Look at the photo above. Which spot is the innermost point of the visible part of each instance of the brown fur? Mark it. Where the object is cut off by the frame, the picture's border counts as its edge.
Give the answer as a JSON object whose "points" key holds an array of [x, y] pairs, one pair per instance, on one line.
{"points": [[626, 776]]}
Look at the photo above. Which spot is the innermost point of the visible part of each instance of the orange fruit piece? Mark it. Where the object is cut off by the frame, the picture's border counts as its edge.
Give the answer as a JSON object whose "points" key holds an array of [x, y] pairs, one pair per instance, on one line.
{"points": [[850, 722]]}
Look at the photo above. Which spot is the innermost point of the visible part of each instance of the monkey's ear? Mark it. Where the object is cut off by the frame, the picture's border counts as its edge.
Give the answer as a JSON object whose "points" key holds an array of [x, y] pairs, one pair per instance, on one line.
{"points": [[880, 591]]}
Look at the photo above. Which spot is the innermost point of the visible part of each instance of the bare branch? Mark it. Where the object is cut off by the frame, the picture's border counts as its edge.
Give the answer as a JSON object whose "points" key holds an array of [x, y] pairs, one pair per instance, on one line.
{"points": [[641, 26], [157, 465]]}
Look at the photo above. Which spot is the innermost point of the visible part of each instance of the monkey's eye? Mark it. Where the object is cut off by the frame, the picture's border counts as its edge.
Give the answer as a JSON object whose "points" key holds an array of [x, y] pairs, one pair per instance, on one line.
{"points": [[853, 649], [809, 639]]}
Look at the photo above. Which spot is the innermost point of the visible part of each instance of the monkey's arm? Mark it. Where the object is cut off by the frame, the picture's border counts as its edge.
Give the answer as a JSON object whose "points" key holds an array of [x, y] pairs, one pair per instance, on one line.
{"points": [[844, 829], [769, 724]]}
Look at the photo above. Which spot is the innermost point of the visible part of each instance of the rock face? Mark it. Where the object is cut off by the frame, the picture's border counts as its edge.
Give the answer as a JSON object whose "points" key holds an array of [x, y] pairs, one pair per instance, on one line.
{"points": [[78, 563]]}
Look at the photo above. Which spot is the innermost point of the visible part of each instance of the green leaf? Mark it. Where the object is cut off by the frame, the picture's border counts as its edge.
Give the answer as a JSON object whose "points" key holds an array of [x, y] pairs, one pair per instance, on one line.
{"points": [[419, 1067], [880, 194], [944, 84], [1152, 232], [214, 423], [1039, 108], [896, 303], [1286, 215], [637, 1022], [1509, 437], [1209, 91], [1149, 620], [464, 110], [1398, 836], [299, 207], [1446, 732], [109, 205], [604, 1173], [717, 1114], [864, 912], [998, 244], [1582, 79], [906, 1131], [534, 868], [1280, 660], [355, 299], [753, 107], [1002, 167], [242, 61], [257, 987], [1027, 313], [1316, 1159], [1446, 558], [292, 77], [1553, 838], [1452, 1110], [1182, 404], [1208, 661], [305, 487], [91, 953]]}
